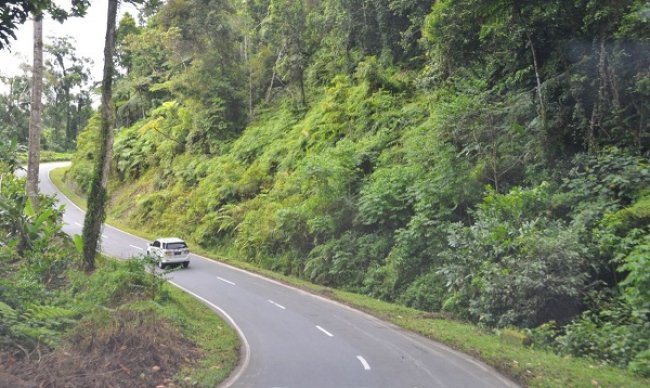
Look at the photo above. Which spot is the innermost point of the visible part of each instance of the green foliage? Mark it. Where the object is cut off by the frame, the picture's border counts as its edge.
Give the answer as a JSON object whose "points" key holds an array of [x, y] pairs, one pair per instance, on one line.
{"points": [[344, 262], [426, 292], [507, 269], [119, 282], [613, 175], [614, 335], [16, 13], [640, 365], [637, 283], [34, 261], [80, 173], [33, 324], [9, 153], [14, 112], [67, 106], [489, 159]]}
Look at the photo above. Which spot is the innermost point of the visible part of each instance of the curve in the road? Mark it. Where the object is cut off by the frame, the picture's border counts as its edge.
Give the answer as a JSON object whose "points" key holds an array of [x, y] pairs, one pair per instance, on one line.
{"points": [[296, 339]]}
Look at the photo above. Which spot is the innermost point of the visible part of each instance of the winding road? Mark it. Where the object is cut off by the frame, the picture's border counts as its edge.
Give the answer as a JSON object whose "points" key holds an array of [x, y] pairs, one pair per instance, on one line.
{"points": [[293, 339]]}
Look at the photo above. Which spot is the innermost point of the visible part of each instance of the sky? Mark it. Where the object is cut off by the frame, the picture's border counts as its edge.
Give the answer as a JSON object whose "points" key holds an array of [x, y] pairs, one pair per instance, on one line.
{"points": [[88, 32]]}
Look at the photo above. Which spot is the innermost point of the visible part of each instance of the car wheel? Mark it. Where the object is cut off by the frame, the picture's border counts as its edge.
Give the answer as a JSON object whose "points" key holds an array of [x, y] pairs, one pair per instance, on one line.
{"points": [[186, 264]]}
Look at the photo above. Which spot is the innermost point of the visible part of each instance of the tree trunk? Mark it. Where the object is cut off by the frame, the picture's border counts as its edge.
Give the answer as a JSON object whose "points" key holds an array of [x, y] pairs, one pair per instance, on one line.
{"points": [[97, 197], [250, 79], [66, 95], [538, 79], [33, 159], [601, 97]]}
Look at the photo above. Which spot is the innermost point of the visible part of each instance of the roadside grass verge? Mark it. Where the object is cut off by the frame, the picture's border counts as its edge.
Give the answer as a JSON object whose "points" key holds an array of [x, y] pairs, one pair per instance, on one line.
{"points": [[48, 156], [217, 340], [504, 350]]}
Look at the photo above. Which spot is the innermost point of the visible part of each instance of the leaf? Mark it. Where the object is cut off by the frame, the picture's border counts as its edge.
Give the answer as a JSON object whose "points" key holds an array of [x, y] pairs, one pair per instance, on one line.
{"points": [[78, 243], [29, 209]]}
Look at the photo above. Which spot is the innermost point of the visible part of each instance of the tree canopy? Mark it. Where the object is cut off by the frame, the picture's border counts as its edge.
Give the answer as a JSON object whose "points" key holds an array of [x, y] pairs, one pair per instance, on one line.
{"points": [[13, 13]]}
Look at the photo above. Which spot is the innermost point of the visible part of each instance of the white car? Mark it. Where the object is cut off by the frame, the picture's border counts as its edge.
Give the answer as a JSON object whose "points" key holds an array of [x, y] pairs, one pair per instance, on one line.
{"points": [[169, 251]]}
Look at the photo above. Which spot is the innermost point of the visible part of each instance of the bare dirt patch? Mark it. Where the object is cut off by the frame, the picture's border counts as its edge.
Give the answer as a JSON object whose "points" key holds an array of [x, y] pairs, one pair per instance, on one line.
{"points": [[133, 349]]}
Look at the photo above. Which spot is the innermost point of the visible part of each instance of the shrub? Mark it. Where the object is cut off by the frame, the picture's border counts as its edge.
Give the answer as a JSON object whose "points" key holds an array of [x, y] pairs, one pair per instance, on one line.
{"points": [[344, 262], [118, 281], [514, 266], [613, 335], [640, 365], [426, 292]]}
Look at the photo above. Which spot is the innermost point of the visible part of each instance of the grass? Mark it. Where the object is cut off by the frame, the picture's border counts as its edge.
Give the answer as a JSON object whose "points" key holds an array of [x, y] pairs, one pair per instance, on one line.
{"points": [[48, 156], [530, 367], [218, 341]]}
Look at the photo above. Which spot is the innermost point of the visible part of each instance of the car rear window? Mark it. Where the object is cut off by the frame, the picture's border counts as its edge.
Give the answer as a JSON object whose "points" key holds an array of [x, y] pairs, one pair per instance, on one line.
{"points": [[178, 245]]}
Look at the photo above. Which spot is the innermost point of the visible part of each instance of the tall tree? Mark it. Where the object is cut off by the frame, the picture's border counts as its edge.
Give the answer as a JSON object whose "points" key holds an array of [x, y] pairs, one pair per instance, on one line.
{"points": [[68, 106], [35, 118], [285, 27], [97, 195]]}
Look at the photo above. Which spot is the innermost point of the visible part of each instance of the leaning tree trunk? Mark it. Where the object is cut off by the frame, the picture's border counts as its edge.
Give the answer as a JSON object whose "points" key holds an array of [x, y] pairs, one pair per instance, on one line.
{"points": [[31, 186], [97, 196]]}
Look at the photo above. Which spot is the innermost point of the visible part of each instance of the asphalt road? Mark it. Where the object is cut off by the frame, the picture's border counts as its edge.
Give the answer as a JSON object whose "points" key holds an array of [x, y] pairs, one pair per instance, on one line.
{"points": [[293, 339]]}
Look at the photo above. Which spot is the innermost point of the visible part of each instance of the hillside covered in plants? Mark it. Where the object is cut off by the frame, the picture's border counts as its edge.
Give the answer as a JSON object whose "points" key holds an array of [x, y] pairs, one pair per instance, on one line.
{"points": [[485, 159]]}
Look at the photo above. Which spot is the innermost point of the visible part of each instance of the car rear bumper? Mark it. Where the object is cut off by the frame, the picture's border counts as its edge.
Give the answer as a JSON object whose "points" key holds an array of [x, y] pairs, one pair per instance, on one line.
{"points": [[175, 259]]}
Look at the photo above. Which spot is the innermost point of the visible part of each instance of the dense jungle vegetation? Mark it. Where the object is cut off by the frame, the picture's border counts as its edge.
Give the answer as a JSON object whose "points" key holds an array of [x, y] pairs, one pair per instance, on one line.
{"points": [[485, 159]]}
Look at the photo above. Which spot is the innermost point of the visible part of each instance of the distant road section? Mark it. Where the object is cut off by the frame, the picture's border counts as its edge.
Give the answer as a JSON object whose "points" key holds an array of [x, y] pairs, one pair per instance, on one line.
{"points": [[294, 339]]}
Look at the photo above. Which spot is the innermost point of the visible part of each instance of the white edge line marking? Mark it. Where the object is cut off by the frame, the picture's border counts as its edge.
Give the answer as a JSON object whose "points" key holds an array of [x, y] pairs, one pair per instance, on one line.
{"points": [[106, 225], [246, 348], [411, 336], [325, 331], [104, 236], [277, 305], [226, 281], [78, 224], [133, 246], [363, 361]]}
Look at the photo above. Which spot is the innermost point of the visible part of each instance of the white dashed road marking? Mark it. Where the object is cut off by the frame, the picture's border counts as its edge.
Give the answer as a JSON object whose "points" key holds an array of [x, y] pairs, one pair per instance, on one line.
{"points": [[363, 361], [325, 331], [226, 281], [277, 305]]}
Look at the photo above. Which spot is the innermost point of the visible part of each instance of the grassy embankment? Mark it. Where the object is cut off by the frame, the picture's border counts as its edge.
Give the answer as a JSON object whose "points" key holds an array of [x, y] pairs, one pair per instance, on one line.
{"points": [[217, 340], [503, 349]]}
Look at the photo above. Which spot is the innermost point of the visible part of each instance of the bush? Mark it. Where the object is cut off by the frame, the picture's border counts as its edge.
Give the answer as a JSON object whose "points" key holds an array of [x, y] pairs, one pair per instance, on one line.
{"points": [[514, 266], [80, 173], [640, 365], [116, 282], [344, 262], [425, 293], [614, 335]]}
